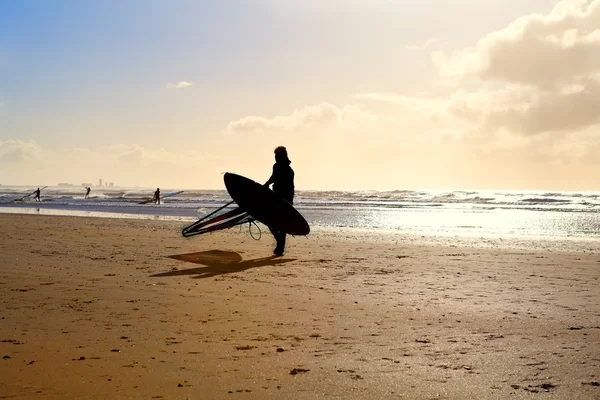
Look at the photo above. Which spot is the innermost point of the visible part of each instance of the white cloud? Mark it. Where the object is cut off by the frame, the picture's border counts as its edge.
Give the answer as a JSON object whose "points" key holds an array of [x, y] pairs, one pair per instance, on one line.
{"points": [[529, 111], [316, 117], [130, 153], [179, 85], [540, 74], [424, 46], [13, 151], [544, 51], [518, 109], [126, 164]]}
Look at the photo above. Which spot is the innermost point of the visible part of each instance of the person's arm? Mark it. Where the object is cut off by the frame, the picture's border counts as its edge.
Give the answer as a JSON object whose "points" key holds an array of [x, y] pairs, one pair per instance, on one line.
{"points": [[270, 181]]}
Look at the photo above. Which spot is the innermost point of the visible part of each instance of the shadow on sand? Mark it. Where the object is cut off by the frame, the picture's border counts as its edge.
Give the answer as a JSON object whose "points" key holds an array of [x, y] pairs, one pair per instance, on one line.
{"points": [[218, 262]]}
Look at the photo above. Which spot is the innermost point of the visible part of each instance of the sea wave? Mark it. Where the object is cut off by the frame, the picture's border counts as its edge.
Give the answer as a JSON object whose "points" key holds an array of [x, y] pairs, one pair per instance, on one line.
{"points": [[395, 199]]}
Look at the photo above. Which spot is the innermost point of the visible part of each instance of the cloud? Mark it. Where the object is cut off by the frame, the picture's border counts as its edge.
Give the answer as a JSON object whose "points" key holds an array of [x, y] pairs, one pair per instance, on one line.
{"points": [[544, 51], [527, 96], [13, 151], [24, 162], [320, 116], [130, 153], [539, 74], [179, 85], [528, 111], [421, 47]]}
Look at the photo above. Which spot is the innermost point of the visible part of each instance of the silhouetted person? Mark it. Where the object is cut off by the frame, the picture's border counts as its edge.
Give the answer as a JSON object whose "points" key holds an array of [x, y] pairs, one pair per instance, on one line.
{"points": [[282, 179], [157, 196], [87, 192], [37, 195]]}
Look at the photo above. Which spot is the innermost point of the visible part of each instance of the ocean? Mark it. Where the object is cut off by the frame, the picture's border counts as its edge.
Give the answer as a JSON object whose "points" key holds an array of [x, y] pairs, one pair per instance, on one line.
{"points": [[495, 214]]}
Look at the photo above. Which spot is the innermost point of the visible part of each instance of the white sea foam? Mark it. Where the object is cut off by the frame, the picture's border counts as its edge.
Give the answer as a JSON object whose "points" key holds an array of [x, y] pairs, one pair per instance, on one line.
{"points": [[465, 214]]}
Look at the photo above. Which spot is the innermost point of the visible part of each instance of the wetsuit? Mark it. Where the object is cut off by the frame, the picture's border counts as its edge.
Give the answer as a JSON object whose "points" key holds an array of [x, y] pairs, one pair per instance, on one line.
{"points": [[283, 185]]}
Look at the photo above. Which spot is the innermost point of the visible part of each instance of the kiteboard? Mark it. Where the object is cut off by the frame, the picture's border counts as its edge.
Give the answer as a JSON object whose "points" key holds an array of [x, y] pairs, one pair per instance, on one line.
{"points": [[265, 206], [161, 197]]}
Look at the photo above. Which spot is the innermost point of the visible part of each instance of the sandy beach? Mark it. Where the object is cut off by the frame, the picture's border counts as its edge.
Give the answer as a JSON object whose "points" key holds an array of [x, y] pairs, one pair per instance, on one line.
{"points": [[97, 308]]}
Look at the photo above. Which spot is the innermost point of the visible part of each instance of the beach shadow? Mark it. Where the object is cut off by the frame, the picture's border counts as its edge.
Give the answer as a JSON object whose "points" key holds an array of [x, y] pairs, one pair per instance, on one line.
{"points": [[218, 262]]}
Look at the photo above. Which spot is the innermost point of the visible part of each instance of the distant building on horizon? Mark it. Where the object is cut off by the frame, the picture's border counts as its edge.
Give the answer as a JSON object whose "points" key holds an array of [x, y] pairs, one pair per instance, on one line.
{"points": [[65, 185]]}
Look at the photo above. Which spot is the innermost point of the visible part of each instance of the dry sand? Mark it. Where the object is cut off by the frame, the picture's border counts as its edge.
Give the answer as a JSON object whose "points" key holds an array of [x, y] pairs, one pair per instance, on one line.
{"points": [[108, 308]]}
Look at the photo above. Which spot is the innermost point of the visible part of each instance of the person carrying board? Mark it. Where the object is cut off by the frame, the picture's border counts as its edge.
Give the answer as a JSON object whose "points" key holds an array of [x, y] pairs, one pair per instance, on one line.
{"points": [[282, 179]]}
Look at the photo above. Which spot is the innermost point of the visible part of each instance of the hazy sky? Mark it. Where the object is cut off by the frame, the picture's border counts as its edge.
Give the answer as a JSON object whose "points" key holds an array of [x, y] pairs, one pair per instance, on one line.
{"points": [[366, 94]]}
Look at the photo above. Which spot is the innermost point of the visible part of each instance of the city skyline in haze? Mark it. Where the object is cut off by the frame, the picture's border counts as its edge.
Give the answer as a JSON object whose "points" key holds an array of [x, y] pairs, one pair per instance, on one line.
{"points": [[365, 94]]}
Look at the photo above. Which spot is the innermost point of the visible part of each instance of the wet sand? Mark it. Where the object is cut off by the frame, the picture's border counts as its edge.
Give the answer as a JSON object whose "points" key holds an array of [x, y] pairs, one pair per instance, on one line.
{"points": [[101, 308]]}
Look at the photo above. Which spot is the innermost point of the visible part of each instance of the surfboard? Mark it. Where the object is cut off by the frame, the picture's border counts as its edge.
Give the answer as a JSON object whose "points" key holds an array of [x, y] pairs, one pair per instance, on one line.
{"points": [[161, 197], [265, 206]]}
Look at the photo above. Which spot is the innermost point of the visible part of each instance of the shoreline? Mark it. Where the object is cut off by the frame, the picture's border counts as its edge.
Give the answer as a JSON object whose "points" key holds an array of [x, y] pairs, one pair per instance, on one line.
{"points": [[130, 309], [568, 244], [548, 216]]}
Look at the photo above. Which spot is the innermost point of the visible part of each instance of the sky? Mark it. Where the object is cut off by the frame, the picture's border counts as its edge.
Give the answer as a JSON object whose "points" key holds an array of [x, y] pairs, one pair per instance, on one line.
{"points": [[365, 94]]}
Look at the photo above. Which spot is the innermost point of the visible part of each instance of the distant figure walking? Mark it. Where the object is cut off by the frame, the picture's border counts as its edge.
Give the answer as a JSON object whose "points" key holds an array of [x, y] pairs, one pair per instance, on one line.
{"points": [[157, 196], [87, 192], [37, 195], [282, 179]]}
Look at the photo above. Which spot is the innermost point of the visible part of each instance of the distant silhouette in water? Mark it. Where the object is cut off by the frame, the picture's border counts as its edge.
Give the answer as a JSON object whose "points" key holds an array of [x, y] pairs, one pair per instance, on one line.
{"points": [[282, 179], [87, 192], [157, 196], [37, 195]]}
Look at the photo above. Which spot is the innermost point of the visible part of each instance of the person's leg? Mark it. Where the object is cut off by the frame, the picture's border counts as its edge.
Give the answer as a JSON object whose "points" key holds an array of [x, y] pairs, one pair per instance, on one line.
{"points": [[276, 237], [279, 246], [282, 235], [281, 242]]}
